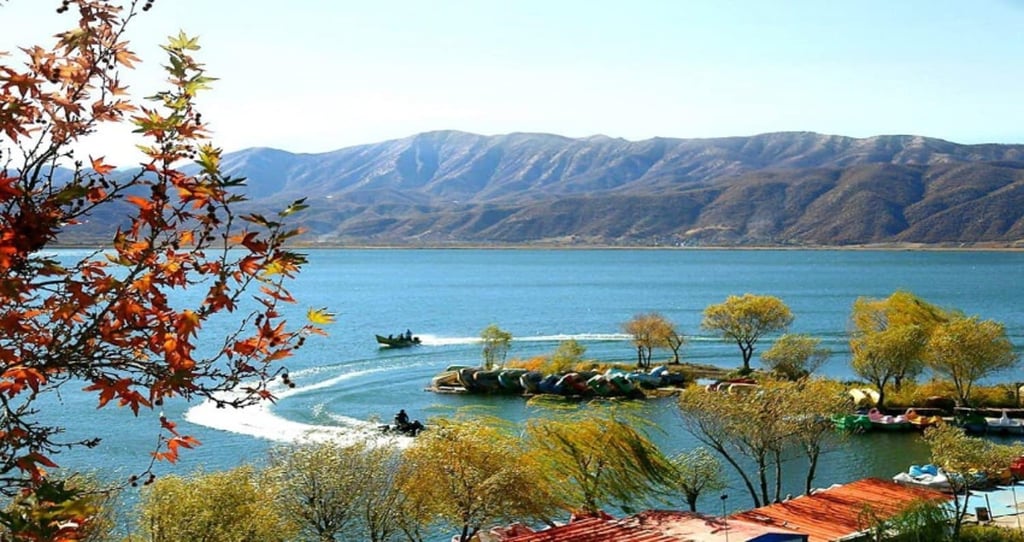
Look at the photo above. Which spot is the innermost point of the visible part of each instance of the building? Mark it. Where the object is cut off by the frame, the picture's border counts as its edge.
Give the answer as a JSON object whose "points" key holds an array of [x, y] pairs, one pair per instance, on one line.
{"points": [[662, 526], [842, 512]]}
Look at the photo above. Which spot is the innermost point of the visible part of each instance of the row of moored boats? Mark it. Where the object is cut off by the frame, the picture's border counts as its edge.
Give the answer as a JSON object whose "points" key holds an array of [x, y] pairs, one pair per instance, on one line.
{"points": [[608, 383], [970, 421], [935, 478]]}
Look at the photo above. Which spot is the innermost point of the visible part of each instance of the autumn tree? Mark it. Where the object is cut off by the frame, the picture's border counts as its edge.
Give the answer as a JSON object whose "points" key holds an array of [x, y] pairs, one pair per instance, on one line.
{"points": [[817, 401], [650, 331], [966, 349], [116, 321], [888, 337], [746, 319], [965, 459], [470, 474], [381, 505], [697, 471], [596, 457], [327, 488], [237, 505], [746, 425], [795, 356], [496, 344], [99, 499], [765, 427]]}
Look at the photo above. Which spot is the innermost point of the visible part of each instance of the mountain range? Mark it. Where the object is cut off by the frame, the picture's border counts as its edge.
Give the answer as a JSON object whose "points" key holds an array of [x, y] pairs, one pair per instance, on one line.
{"points": [[777, 189]]}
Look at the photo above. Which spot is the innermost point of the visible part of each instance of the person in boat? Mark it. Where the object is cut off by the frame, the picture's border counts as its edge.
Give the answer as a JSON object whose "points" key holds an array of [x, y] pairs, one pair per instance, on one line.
{"points": [[408, 335], [401, 419]]}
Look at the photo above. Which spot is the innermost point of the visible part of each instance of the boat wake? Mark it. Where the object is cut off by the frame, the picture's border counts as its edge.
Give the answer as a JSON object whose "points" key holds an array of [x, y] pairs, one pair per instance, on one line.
{"points": [[260, 421], [434, 340]]}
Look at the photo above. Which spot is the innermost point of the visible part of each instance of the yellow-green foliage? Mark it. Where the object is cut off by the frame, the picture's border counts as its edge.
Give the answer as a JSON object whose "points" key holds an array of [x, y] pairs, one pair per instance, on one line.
{"points": [[990, 533], [230, 506], [548, 366], [916, 394]]}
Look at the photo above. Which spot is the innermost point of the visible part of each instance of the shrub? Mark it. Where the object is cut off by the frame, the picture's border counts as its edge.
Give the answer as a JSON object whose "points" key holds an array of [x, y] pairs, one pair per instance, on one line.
{"points": [[990, 533]]}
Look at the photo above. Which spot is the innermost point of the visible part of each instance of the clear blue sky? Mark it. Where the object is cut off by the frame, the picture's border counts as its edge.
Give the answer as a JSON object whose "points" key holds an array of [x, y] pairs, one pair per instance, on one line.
{"points": [[311, 76]]}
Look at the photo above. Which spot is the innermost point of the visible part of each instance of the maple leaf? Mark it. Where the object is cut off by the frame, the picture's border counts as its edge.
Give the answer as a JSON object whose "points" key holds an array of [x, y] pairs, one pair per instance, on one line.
{"points": [[99, 167], [320, 316]]}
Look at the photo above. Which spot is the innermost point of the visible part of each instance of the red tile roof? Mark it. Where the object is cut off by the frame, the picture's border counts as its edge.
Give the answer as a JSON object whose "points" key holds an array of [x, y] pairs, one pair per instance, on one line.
{"points": [[594, 529], [693, 527], [837, 512]]}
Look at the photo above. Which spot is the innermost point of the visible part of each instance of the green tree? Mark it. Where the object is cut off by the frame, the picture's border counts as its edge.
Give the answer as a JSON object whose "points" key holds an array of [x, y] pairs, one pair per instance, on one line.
{"points": [[470, 474], [324, 487], [964, 458], [745, 319], [238, 505], [966, 350], [795, 356], [496, 344], [595, 457], [697, 472], [888, 338], [922, 521]]}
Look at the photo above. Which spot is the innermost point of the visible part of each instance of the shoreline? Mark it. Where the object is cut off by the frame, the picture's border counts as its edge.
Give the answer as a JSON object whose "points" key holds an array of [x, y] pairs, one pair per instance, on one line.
{"points": [[882, 247]]}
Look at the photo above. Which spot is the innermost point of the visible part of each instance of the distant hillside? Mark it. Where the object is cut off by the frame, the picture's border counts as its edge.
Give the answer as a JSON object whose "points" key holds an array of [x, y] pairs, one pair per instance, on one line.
{"points": [[773, 189]]}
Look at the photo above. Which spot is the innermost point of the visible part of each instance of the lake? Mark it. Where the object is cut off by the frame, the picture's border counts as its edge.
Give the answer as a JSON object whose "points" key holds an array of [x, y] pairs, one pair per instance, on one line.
{"points": [[447, 297]]}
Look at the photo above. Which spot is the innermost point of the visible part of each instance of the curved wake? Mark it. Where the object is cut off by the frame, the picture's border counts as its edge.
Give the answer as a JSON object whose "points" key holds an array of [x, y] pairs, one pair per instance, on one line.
{"points": [[260, 421]]}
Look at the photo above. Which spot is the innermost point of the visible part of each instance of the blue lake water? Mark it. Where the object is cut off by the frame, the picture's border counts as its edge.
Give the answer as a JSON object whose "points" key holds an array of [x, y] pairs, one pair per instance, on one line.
{"points": [[447, 297]]}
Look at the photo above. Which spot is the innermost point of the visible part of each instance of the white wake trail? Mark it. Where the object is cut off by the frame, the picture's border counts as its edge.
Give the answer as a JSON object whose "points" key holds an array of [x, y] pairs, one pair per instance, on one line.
{"points": [[260, 421]]}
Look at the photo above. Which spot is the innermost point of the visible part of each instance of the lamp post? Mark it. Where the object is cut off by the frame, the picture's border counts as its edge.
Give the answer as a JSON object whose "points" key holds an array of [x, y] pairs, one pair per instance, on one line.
{"points": [[724, 520]]}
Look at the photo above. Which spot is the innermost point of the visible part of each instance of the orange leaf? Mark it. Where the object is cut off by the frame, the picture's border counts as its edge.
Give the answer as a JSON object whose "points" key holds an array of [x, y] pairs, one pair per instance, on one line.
{"points": [[99, 167], [142, 203]]}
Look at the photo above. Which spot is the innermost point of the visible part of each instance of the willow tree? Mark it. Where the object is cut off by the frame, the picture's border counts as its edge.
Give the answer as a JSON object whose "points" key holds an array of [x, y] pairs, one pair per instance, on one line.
{"points": [[470, 474], [746, 319], [496, 344], [114, 322], [888, 338], [596, 457], [966, 350]]}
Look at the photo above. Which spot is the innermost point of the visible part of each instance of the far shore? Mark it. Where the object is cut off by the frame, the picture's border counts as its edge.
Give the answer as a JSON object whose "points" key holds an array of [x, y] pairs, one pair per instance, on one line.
{"points": [[892, 247]]}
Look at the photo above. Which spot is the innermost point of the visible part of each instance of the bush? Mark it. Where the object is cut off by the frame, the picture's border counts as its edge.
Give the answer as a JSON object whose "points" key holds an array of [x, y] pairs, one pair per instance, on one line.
{"points": [[237, 505], [914, 394], [917, 394], [990, 533]]}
